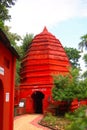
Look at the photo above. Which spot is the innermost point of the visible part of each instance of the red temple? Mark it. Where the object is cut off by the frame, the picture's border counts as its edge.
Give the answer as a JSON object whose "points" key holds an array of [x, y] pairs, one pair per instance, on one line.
{"points": [[44, 58]]}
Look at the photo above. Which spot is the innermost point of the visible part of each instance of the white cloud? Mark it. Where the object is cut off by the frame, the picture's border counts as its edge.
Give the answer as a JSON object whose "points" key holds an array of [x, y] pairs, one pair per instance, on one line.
{"points": [[82, 8], [32, 15]]}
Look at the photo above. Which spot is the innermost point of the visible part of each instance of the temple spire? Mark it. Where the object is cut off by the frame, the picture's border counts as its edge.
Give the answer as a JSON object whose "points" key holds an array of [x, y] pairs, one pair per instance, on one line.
{"points": [[45, 30]]}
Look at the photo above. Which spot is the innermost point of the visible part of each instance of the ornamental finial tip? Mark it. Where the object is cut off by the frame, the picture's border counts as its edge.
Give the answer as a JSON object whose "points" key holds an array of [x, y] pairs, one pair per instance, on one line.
{"points": [[45, 30]]}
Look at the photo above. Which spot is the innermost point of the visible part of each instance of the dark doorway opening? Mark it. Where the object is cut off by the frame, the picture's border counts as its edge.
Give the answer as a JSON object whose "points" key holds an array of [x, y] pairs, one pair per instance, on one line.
{"points": [[1, 105], [37, 100]]}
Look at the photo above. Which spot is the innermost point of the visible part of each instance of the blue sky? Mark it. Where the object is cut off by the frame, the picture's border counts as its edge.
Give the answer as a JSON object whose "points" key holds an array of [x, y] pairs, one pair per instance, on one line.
{"points": [[70, 31], [66, 19]]}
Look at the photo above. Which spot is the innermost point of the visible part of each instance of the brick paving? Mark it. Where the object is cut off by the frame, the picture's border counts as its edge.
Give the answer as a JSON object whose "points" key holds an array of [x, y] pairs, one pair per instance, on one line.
{"points": [[28, 122]]}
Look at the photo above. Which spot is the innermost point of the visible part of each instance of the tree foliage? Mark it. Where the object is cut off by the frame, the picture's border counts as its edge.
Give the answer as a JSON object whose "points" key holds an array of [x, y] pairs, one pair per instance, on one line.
{"points": [[83, 43], [78, 119], [73, 55], [4, 5], [7, 3], [84, 75], [26, 40], [4, 12], [17, 80], [69, 87], [4, 15], [13, 37], [85, 59]]}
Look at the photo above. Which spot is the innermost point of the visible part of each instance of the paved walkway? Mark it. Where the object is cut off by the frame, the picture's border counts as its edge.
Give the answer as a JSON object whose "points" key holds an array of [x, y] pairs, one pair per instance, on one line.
{"points": [[28, 122]]}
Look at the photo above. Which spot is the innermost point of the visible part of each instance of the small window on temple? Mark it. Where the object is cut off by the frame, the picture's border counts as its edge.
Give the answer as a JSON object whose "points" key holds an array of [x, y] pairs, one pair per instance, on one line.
{"points": [[6, 63]]}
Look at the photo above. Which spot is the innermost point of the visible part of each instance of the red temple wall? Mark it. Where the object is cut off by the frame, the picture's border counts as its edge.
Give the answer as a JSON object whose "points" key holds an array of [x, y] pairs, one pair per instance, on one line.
{"points": [[7, 63]]}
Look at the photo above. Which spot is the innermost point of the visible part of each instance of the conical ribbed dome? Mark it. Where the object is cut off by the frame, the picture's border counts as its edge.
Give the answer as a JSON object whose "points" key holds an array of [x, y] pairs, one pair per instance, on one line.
{"points": [[44, 58]]}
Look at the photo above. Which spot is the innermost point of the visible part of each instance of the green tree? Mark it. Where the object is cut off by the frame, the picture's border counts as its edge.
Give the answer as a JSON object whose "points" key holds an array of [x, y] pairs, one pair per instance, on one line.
{"points": [[13, 37], [7, 3], [26, 41], [83, 43], [85, 59], [69, 87], [4, 15], [64, 86], [84, 75], [73, 55], [17, 80], [78, 119], [4, 12]]}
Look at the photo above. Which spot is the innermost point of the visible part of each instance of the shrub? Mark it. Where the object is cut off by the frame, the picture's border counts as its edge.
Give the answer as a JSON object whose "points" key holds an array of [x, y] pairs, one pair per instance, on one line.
{"points": [[78, 119], [50, 119], [69, 87]]}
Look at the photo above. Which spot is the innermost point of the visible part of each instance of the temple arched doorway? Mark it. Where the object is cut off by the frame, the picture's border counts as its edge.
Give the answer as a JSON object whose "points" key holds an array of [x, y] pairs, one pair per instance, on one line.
{"points": [[37, 97], [1, 104]]}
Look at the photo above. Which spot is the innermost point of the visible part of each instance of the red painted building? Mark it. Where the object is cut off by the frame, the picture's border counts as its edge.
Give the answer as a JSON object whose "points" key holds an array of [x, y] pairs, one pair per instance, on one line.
{"points": [[8, 57], [44, 58]]}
